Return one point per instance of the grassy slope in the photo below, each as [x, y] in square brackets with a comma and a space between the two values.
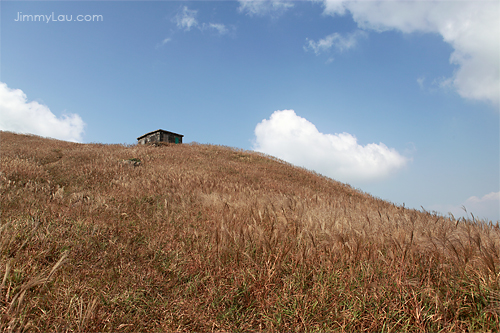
[203, 238]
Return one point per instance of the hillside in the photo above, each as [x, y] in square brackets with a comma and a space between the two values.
[208, 238]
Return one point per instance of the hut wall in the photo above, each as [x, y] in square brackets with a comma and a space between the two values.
[160, 137]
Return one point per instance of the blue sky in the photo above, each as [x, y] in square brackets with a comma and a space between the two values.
[398, 99]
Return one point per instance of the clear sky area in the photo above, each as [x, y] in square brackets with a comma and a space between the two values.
[399, 99]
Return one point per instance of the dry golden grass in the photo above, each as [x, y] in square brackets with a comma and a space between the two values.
[209, 238]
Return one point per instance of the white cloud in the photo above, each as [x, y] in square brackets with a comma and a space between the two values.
[264, 7]
[19, 115]
[339, 156]
[186, 18]
[166, 40]
[486, 207]
[340, 42]
[470, 27]
[219, 27]
[421, 81]
[163, 42]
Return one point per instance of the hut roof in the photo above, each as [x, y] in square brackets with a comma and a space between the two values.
[159, 130]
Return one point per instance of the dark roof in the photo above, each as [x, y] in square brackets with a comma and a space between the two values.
[159, 130]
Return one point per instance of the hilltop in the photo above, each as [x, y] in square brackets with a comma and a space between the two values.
[195, 237]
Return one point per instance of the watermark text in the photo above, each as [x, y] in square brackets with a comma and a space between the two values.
[58, 18]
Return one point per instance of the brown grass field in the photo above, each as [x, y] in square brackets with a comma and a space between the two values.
[209, 238]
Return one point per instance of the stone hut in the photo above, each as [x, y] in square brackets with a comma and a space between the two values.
[159, 136]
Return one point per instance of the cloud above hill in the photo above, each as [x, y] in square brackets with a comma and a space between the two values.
[488, 206]
[339, 156]
[20, 116]
[470, 27]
